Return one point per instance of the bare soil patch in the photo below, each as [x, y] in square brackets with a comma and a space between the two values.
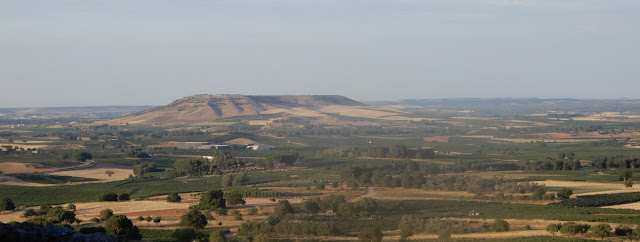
[436, 139]
[606, 188]
[99, 172]
[14, 167]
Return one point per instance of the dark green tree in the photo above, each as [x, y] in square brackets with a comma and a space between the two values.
[174, 198]
[370, 234]
[234, 197]
[565, 193]
[82, 156]
[106, 214]
[193, 219]
[500, 225]
[212, 200]
[601, 230]
[6, 204]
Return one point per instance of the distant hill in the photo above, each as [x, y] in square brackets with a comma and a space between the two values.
[208, 108]
[513, 106]
[75, 110]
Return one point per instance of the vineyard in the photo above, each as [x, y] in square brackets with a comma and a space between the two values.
[300, 182]
[601, 200]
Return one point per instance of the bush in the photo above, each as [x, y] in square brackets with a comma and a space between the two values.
[106, 214]
[218, 236]
[253, 211]
[29, 213]
[108, 197]
[187, 235]
[174, 198]
[565, 193]
[500, 225]
[82, 156]
[193, 219]
[212, 200]
[237, 215]
[234, 197]
[623, 231]
[122, 227]
[370, 234]
[600, 230]
[124, 197]
[444, 234]
[6, 204]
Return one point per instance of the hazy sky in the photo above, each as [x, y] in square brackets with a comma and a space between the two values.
[72, 53]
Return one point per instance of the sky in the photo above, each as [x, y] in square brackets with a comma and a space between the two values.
[151, 52]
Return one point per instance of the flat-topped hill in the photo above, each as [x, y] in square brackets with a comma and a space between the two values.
[207, 108]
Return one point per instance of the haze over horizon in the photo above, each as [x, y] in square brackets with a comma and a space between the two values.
[108, 53]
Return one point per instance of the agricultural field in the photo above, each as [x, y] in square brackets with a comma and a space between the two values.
[332, 172]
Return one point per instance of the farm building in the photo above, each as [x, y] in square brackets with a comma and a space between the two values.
[191, 145]
[223, 147]
[259, 147]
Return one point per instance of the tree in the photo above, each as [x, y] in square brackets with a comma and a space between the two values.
[6, 204]
[539, 193]
[601, 230]
[157, 220]
[212, 200]
[628, 183]
[140, 219]
[174, 198]
[370, 234]
[625, 175]
[193, 219]
[282, 208]
[365, 206]
[500, 225]
[234, 197]
[122, 227]
[565, 193]
[71, 207]
[311, 205]
[237, 215]
[408, 226]
[218, 236]
[124, 197]
[138, 169]
[570, 228]
[109, 172]
[108, 197]
[148, 219]
[82, 156]
[106, 214]
[185, 235]
[320, 186]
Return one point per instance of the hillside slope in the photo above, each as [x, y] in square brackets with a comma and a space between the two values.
[208, 108]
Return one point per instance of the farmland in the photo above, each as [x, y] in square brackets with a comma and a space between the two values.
[342, 168]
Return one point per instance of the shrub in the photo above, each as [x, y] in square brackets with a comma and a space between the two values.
[253, 211]
[106, 214]
[110, 197]
[193, 219]
[623, 231]
[370, 234]
[6, 204]
[174, 198]
[500, 225]
[600, 230]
